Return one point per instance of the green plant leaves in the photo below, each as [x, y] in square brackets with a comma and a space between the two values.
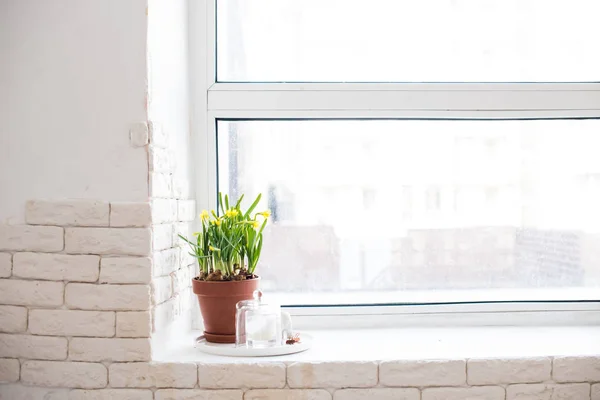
[253, 206]
[230, 241]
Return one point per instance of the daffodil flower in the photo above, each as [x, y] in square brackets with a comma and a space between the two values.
[204, 215]
[232, 212]
[265, 213]
[255, 224]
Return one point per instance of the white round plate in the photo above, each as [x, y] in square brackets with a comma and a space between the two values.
[231, 351]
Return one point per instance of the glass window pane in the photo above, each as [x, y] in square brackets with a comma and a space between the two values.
[408, 40]
[404, 210]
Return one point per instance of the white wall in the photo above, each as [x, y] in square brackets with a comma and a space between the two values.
[168, 106]
[168, 80]
[72, 81]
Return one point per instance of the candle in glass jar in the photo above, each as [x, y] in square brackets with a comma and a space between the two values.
[261, 329]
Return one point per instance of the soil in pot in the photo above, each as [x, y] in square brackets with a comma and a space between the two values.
[217, 299]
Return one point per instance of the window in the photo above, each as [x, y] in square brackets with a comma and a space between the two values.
[434, 151]
[526, 217]
[408, 40]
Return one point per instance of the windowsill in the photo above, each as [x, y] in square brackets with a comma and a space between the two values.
[419, 343]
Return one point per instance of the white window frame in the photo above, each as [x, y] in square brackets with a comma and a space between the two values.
[212, 100]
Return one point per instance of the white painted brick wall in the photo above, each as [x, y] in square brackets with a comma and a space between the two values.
[164, 262]
[596, 391]
[162, 237]
[471, 393]
[332, 374]
[98, 349]
[134, 324]
[31, 238]
[56, 267]
[161, 289]
[423, 373]
[377, 394]
[244, 375]
[196, 394]
[288, 394]
[72, 323]
[165, 313]
[160, 159]
[186, 230]
[186, 210]
[130, 215]
[181, 187]
[576, 369]
[107, 297]
[111, 394]
[541, 391]
[108, 241]
[495, 371]
[5, 265]
[64, 374]
[159, 375]
[158, 136]
[9, 370]
[164, 210]
[33, 347]
[185, 258]
[125, 270]
[182, 279]
[31, 293]
[13, 319]
[161, 185]
[67, 212]
[174, 308]
[18, 391]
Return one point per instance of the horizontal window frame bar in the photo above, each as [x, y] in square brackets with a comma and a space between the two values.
[215, 115]
[404, 100]
[403, 86]
[513, 314]
[451, 307]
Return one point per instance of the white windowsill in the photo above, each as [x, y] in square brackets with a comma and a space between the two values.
[418, 343]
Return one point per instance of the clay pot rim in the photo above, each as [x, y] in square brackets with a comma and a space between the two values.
[224, 288]
[221, 282]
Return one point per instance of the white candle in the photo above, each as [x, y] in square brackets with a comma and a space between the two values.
[261, 328]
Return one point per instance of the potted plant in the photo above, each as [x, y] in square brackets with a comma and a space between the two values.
[228, 249]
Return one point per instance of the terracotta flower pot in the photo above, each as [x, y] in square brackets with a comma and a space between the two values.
[217, 304]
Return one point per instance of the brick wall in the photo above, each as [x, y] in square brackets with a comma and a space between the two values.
[84, 284]
[173, 212]
[74, 293]
[557, 378]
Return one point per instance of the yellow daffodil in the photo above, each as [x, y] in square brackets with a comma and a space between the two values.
[255, 224]
[204, 215]
[217, 222]
[265, 213]
[232, 212]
